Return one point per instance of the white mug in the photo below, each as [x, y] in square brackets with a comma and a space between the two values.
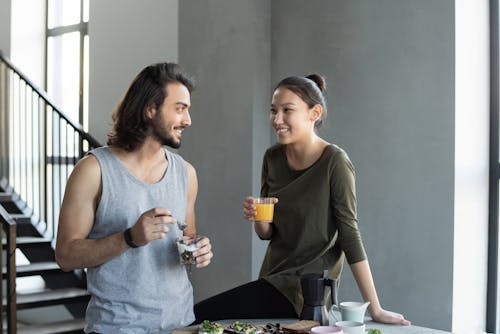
[350, 311]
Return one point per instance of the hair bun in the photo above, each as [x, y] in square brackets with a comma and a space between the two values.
[319, 80]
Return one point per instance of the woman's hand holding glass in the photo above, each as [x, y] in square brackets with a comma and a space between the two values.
[263, 229]
[259, 209]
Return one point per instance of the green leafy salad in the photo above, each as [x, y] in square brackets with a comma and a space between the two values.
[373, 331]
[242, 328]
[208, 327]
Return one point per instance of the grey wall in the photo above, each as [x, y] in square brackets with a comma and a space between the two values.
[125, 36]
[390, 69]
[226, 45]
[5, 13]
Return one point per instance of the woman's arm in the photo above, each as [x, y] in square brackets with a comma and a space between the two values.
[364, 279]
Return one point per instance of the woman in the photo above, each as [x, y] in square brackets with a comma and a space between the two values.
[315, 220]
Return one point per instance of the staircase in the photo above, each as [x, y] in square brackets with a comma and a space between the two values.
[39, 146]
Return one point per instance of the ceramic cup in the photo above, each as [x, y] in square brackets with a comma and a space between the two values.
[353, 311]
[351, 327]
[327, 330]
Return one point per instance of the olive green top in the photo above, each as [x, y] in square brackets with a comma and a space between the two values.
[315, 221]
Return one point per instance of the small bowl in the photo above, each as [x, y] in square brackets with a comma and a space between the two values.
[352, 327]
[327, 330]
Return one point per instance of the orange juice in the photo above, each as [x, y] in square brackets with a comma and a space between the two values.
[265, 212]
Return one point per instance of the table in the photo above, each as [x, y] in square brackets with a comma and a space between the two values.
[395, 329]
[386, 329]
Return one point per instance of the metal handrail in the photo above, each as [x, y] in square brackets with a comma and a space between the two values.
[93, 142]
[9, 224]
[39, 145]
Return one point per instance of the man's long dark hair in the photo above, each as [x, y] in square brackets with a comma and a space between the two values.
[148, 89]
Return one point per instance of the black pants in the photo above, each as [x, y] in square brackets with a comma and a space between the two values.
[254, 300]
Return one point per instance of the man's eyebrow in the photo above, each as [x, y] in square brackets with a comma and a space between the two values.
[184, 104]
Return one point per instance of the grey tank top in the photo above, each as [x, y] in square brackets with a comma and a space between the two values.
[145, 289]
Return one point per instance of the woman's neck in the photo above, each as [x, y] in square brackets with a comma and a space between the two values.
[303, 154]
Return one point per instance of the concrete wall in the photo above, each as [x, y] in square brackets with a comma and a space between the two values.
[226, 45]
[390, 69]
[5, 18]
[125, 36]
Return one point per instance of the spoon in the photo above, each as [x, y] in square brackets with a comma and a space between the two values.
[181, 225]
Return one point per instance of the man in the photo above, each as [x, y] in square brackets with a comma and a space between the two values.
[121, 208]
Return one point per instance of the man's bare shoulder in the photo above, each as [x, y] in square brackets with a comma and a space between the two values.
[87, 173]
[190, 167]
[88, 164]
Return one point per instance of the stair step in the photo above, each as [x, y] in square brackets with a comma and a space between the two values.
[35, 268]
[67, 326]
[50, 297]
[21, 218]
[5, 196]
[28, 242]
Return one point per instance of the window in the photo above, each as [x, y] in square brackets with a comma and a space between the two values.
[68, 57]
[67, 65]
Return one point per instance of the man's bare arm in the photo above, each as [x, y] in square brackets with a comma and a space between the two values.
[191, 200]
[73, 249]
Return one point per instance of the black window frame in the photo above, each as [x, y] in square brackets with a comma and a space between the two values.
[492, 301]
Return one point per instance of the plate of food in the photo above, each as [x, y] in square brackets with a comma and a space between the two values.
[208, 327]
[239, 327]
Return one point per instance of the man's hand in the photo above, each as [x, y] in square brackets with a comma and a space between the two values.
[152, 226]
[203, 254]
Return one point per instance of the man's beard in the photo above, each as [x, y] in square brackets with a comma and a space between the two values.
[169, 141]
[161, 134]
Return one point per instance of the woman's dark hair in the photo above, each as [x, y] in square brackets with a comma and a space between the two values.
[148, 89]
[310, 89]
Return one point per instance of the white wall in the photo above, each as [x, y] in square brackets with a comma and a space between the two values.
[125, 36]
[471, 165]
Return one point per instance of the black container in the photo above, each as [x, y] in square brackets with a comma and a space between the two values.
[315, 293]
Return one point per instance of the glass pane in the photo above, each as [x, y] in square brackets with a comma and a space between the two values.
[85, 10]
[63, 13]
[63, 73]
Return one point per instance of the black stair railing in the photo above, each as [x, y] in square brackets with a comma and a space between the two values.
[10, 255]
[39, 146]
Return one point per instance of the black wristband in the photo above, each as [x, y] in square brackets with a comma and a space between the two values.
[128, 238]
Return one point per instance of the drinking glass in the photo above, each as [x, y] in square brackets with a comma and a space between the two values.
[265, 209]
